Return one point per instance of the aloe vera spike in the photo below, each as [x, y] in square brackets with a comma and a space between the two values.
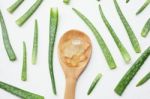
[143, 7]
[52, 36]
[143, 80]
[66, 1]
[129, 75]
[35, 43]
[94, 83]
[146, 28]
[10, 52]
[127, 1]
[19, 92]
[132, 37]
[29, 12]
[14, 6]
[24, 64]
[119, 44]
[101, 42]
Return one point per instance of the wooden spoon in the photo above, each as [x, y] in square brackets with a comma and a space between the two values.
[74, 51]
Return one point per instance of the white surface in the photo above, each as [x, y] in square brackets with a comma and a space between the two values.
[38, 75]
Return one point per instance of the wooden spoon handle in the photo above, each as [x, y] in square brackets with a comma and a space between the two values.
[70, 88]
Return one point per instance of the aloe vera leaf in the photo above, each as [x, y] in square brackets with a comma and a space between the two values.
[10, 52]
[126, 79]
[132, 37]
[35, 44]
[28, 14]
[14, 6]
[119, 44]
[146, 28]
[101, 42]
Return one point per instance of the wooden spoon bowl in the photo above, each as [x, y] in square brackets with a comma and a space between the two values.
[74, 51]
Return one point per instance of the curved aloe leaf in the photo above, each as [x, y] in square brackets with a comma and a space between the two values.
[100, 40]
[52, 36]
[146, 28]
[126, 79]
[94, 83]
[10, 52]
[35, 43]
[119, 44]
[14, 6]
[19, 92]
[127, 1]
[143, 7]
[24, 64]
[28, 14]
[144, 80]
[129, 30]
[66, 1]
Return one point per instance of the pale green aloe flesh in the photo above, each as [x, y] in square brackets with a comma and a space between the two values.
[7, 44]
[144, 79]
[94, 83]
[35, 44]
[19, 92]
[28, 14]
[66, 1]
[119, 44]
[52, 36]
[129, 30]
[24, 64]
[126, 79]
[143, 7]
[146, 28]
[100, 40]
[14, 6]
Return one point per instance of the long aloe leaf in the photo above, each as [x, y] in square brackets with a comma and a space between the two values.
[10, 52]
[35, 43]
[66, 1]
[19, 92]
[144, 79]
[52, 36]
[127, 1]
[14, 6]
[146, 28]
[126, 79]
[24, 64]
[100, 40]
[94, 83]
[143, 7]
[119, 44]
[28, 14]
[129, 30]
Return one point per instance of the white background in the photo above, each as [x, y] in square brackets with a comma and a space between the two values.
[38, 75]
